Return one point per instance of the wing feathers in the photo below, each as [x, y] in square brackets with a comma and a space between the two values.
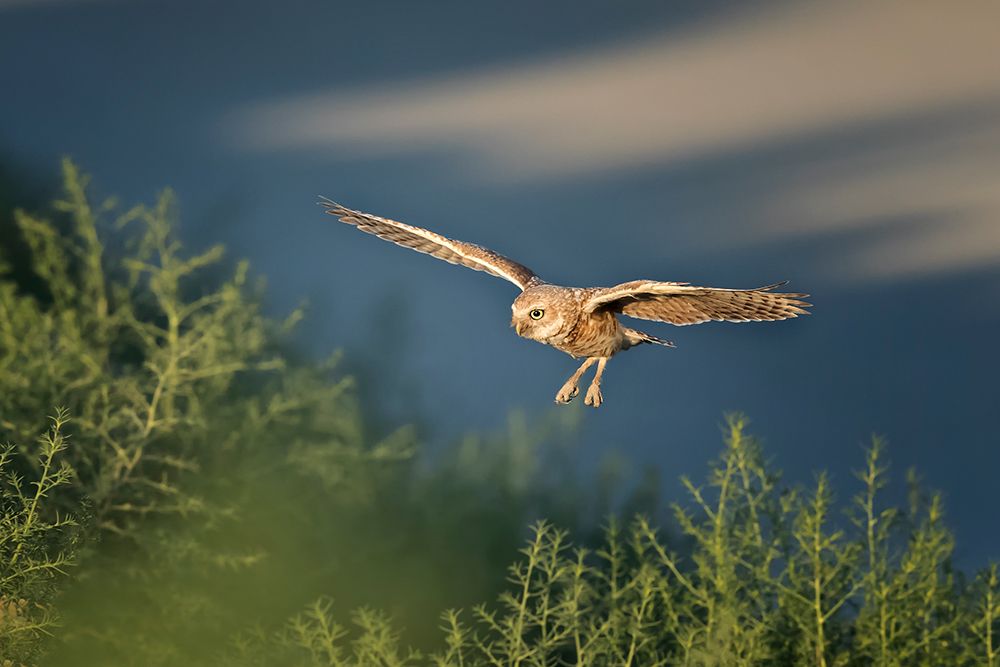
[425, 241]
[676, 303]
[682, 304]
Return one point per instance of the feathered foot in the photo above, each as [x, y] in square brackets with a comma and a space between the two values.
[568, 392]
[594, 397]
[571, 388]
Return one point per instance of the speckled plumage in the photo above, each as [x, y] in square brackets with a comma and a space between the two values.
[583, 321]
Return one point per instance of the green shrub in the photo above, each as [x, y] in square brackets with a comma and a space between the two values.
[770, 580]
[178, 386]
[160, 373]
[36, 544]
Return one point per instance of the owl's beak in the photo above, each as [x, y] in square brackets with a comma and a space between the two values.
[517, 327]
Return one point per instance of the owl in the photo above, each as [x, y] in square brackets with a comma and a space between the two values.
[583, 321]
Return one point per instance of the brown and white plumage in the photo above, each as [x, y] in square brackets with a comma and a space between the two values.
[582, 321]
[682, 304]
[425, 241]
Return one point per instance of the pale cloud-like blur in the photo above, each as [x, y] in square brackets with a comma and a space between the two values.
[746, 80]
[942, 191]
[740, 82]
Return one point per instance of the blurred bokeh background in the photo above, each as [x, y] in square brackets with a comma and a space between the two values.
[851, 147]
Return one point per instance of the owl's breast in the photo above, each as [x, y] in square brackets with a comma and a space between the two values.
[593, 335]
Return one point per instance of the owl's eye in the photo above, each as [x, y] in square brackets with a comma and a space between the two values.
[537, 314]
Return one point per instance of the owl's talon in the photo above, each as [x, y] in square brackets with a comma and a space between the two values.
[567, 393]
[594, 396]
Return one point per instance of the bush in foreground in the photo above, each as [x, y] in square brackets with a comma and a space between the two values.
[770, 580]
[37, 544]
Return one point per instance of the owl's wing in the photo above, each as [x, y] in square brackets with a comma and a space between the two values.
[456, 252]
[681, 303]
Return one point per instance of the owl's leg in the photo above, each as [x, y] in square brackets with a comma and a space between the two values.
[571, 388]
[594, 396]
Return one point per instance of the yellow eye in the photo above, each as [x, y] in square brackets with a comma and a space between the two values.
[537, 314]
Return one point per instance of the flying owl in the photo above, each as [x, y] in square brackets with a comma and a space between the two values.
[583, 321]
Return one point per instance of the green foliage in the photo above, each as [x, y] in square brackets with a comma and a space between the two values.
[169, 380]
[314, 637]
[770, 580]
[36, 544]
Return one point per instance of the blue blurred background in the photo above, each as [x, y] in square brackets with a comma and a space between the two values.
[852, 148]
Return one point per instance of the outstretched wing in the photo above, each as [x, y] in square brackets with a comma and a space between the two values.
[681, 303]
[456, 252]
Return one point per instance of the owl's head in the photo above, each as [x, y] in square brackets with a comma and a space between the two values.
[541, 313]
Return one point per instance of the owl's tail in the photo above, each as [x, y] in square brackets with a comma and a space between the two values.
[638, 338]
